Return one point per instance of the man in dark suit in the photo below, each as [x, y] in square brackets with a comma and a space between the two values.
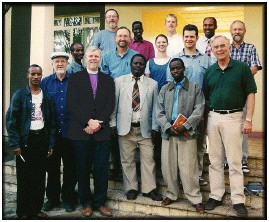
[90, 101]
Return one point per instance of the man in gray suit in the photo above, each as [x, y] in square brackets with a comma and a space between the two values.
[134, 122]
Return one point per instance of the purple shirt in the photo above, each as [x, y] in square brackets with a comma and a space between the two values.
[94, 81]
[145, 48]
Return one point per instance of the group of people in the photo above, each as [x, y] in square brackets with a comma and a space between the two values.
[127, 98]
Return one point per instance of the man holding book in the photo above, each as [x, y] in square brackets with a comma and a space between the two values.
[184, 98]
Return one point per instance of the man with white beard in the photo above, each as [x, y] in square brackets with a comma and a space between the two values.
[104, 39]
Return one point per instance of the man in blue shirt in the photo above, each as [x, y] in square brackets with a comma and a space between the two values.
[77, 52]
[56, 85]
[196, 64]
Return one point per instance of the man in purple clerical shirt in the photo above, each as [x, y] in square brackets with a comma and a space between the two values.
[139, 44]
[90, 102]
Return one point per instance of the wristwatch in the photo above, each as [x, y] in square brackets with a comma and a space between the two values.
[248, 120]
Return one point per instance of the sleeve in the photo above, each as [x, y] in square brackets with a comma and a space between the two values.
[53, 122]
[104, 66]
[113, 121]
[155, 125]
[248, 81]
[169, 77]
[151, 51]
[147, 71]
[205, 87]
[96, 40]
[255, 59]
[12, 121]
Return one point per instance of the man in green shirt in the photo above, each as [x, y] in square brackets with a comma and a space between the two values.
[228, 85]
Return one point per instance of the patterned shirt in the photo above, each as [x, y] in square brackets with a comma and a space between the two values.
[246, 53]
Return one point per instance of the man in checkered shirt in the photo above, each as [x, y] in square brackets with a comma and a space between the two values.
[244, 52]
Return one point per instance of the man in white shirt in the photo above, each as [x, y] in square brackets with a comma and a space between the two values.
[175, 42]
[204, 44]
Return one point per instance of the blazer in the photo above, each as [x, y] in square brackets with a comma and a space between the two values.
[122, 114]
[82, 106]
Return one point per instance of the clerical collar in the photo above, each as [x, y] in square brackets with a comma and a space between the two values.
[92, 72]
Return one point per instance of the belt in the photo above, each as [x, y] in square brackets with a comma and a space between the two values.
[135, 124]
[226, 111]
[36, 132]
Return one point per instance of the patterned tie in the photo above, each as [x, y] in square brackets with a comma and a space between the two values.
[136, 96]
[208, 48]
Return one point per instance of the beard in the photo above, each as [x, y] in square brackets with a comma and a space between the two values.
[238, 38]
[112, 26]
[61, 71]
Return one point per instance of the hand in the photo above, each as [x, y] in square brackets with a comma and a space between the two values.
[114, 132]
[247, 127]
[172, 131]
[181, 129]
[154, 135]
[94, 124]
[17, 151]
[50, 152]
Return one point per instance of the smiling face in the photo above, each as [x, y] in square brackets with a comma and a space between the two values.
[221, 48]
[60, 64]
[34, 75]
[238, 31]
[161, 44]
[138, 66]
[137, 30]
[112, 19]
[171, 24]
[190, 39]
[209, 27]
[78, 52]
[177, 70]
[122, 38]
[93, 59]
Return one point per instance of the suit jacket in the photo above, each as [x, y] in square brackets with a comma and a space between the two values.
[83, 107]
[122, 114]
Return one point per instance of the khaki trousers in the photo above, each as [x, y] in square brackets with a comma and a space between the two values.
[225, 136]
[181, 155]
[128, 144]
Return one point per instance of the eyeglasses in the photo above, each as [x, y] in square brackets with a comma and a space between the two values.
[111, 16]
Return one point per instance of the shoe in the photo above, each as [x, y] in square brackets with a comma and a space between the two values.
[167, 201]
[153, 195]
[212, 204]
[199, 208]
[226, 166]
[69, 207]
[245, 168]
[132, 194]
[49, 205]
[105, 211]
[202, 182]
[41, 215]
[87, 211]
[240, 210]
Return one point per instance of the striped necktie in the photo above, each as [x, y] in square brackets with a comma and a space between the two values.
[136, 96]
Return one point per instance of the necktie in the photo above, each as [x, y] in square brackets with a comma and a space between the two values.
[136, 96]
[208, 48]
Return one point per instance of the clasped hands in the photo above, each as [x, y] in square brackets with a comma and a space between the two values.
[176, 131]
[93, 126]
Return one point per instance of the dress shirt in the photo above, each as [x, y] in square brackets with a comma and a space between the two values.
[115, 65]
[57, 89]
[74, 67]
[94, 81]
[144, 47]
[136, 115]
[175, 45]
[195, 67]
[201, 46]
[246, 53]
[178, 86]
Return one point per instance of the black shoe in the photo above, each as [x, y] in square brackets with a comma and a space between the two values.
[212, 204]
[132, 194]
[153, 195]
[240, 210]
[226, 166]
[69, 207]
[49, 205]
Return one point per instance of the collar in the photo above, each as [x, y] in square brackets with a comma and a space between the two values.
[184, 81]
[241, 45]
[133, 40]
[182, 53]
[133, 78]
[231, 64]
[28, 91]
[67, 75]
[205, 39]
[91, 72]
[117, 54]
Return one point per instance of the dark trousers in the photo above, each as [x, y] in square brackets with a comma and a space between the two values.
[63, 150]
[31, 175]
[90, 153]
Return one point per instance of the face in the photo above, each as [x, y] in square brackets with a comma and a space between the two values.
[60, 64]
[137, 30]
[221, 48]
[177, 70]
[189, 39]
[171, 24]
[34, 75]
[78, 52]
[122, 38]
[93, 60]
[112, 19]
[238, 32]
[138, 66]
[209, 27]
[161, 44]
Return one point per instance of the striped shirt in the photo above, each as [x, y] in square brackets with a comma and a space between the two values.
[246, 53]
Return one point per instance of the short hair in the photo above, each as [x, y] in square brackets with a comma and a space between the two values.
[92, 49]
[139, 55]
[220, 36]
[33, 66]
[177, 59]
[123, 27]
[213, 18]
[239, 22]
[112, 9]
[161, 35]
[73, 44]
[190, 27]
[171, 15]
[137, 22]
